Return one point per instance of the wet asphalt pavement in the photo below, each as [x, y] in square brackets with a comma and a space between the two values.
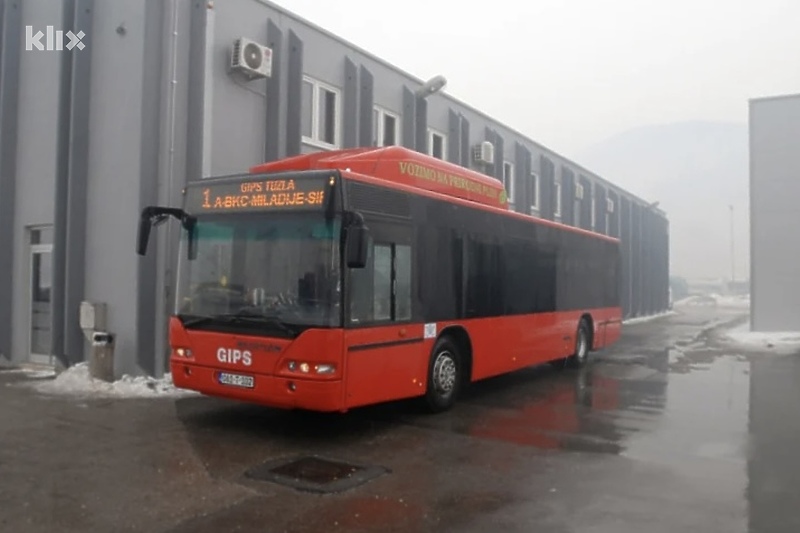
[670, 430]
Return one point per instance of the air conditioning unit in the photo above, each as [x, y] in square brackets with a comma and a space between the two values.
[579, 191]
[483, 153]
[609, 205]
[251, 59]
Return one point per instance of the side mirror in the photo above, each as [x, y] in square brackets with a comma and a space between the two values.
[145, 224]
[154, 215]
[356, 247]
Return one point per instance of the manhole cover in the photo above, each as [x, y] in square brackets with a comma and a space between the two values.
[315, 474]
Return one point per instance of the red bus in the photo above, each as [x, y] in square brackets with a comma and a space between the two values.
[340, 279]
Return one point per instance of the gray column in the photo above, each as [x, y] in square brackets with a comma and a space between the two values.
[567, 196]
[350, 105]
[151, 353]
[408, 122]
[465, 143]
[365, 105]
[294, 96]
[546, 188]
[453, 137]
[636, 258]
[601, 213]
[421, 125]
[499, 157]
[61, 188]
[10, 38]
[77, 183]
[585, 205]
[196, 91]
[274, 145]
[624, 209]
[522, 178]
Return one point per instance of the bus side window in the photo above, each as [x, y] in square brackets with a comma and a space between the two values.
[361, 289]
[382, 288]
[381, 291]
[402, 269]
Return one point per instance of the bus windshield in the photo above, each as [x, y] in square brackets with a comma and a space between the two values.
[270, 273]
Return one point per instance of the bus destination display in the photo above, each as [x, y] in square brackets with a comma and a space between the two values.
[258, 195]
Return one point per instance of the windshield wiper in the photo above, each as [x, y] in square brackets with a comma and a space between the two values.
[242, 317]
[190, 321]
[250, 318]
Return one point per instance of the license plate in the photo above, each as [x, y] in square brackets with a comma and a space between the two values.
[236, 380]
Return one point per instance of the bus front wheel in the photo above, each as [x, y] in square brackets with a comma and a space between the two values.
[583, 342]
[444, 376]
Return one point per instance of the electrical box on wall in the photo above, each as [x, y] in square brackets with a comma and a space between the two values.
[93, 316]
[251, 59]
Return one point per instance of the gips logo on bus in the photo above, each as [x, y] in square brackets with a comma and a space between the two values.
[233, 356]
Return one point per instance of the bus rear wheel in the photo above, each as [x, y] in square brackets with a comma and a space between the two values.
[583, 342]
[444, 376]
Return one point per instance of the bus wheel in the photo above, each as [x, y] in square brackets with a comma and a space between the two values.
[444, 376]
[582, 345]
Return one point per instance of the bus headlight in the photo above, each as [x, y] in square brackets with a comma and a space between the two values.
[306, 368]
[183, 352]
[325, 369]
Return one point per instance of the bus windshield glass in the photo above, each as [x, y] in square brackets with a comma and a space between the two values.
[275, 273]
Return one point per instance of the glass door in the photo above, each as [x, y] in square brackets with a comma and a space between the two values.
[41, 275]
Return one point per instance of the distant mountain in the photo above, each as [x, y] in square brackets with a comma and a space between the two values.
[695, 170]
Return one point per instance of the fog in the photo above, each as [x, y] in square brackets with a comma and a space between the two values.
[576, 74]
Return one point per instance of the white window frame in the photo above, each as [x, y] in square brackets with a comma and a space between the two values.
[579, 196]
[535, 206]
[315, 139]
[557, 208]
[383, 112]
[431, 133]
[508, 181]
[609, 202]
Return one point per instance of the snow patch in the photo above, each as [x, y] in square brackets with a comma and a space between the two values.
[33, 373]
[761, 339]
[718, 300]
[642, 319]
[76, 381]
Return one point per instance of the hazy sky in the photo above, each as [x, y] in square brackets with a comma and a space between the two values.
[570, 73]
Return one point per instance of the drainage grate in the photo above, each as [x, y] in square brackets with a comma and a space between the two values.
[315, 474]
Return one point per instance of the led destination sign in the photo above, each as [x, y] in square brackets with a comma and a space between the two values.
[258, 195]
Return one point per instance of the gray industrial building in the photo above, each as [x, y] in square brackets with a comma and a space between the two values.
[96, 125]
[774, 217]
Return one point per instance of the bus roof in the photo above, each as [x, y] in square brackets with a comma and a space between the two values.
[407, 169]
[401, 165]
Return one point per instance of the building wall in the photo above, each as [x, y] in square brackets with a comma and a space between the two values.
[150, 104]
[774, 187]
[36, 159]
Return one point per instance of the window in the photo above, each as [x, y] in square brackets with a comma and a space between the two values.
[437, 145]
[320, 113]
[534, 192]
[381, 291]
[608, 214]
[508, 180]
[557, 189]
[594, 207]
[385, 127]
